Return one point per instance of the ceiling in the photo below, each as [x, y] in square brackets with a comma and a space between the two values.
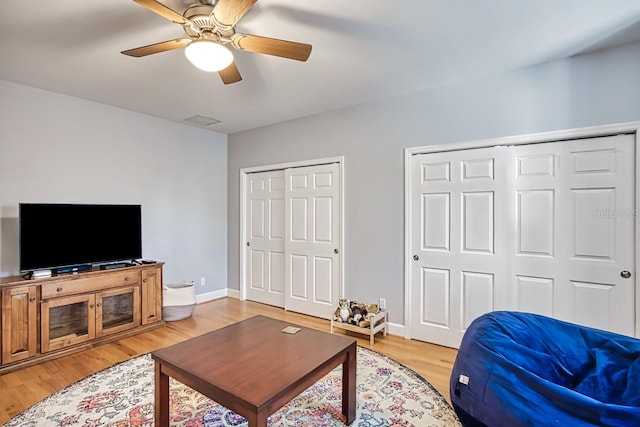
[363, 50]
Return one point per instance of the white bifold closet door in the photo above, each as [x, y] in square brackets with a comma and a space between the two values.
[312, 239]
[459, 214]
[265, 237]
[293, 238]
[574, 233]
[545, 228]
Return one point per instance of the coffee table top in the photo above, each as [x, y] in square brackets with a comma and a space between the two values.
[252, 360]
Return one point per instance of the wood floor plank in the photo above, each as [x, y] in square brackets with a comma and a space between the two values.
[25, 387]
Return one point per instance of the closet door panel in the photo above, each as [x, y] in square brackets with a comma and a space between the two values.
[265, 237]
[312, 239]
[574, 207]
[458, 242]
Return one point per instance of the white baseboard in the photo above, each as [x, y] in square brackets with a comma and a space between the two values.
[395, 329]
[210, 296]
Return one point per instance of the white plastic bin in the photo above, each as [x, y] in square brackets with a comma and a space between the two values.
[178, 300]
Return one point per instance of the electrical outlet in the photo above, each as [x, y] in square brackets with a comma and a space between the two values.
[202, 281]
[383, 304]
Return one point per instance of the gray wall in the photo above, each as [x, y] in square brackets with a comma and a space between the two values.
[592, 89]
[59, 149]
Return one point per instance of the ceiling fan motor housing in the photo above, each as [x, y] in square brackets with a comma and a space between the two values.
[202, 16]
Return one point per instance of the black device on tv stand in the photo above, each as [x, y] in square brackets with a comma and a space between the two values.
[72, 269]
[115, 265]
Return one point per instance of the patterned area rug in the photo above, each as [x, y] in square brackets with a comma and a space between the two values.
[388, 394]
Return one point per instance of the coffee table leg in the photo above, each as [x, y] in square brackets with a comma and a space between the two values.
[349, 385]
[257, 419]
[161, 407]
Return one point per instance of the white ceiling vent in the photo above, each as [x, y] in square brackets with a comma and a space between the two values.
[201, 120]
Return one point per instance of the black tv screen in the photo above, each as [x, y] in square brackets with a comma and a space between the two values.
[63, 235]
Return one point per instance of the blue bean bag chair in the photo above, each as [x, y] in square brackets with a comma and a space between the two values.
[522, 369]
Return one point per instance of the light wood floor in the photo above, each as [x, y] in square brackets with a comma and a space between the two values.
[21, 389]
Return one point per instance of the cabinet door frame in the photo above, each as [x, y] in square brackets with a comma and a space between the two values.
[27, 296]
[135, 315]
[47, 344]
[151, 295]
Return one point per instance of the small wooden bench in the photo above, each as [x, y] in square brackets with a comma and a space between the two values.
[377, 324]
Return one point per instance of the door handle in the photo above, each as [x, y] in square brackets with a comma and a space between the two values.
[625, 274]
[416, 257]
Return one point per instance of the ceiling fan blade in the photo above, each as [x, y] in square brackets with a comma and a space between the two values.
[229, 12]
[162, 10]
[230, 74]
[157, 48]
[276, 47]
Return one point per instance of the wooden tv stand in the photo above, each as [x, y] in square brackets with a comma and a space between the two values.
[46, 318]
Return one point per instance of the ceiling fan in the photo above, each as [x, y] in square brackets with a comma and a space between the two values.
[209, 28]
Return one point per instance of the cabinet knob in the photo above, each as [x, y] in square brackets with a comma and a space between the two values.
[32, 299]
[91, 305]
[59, 289]
[144, 280]
[126, 279]
[99, 304]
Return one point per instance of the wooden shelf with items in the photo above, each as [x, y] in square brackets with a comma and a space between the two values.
[377, 323]
[45, 318]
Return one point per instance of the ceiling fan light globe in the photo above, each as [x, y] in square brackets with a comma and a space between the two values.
[208, 55]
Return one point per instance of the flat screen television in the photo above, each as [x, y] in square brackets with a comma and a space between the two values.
[53, 236]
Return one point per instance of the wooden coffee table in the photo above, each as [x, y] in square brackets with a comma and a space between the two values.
[253, 368]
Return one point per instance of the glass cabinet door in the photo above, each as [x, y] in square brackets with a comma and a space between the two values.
[117, 310]
[67, 321]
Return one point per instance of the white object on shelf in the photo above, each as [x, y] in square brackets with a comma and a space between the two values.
[178, 300]
[38, 274]
[377, 323]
